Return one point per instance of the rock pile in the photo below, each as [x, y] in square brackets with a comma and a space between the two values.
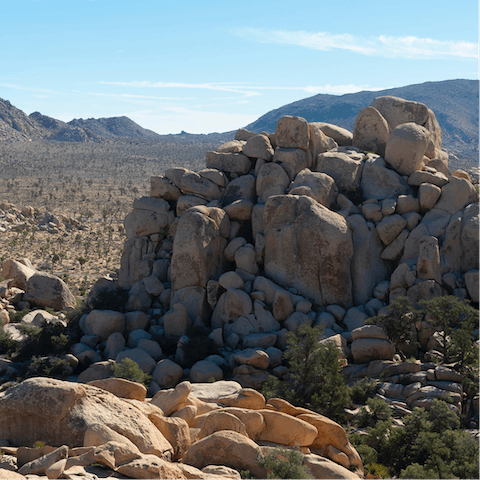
[303, 226]
[190, 431]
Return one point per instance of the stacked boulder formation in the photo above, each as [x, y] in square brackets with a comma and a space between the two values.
[309, 225]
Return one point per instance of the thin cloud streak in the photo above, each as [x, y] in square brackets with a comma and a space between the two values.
[247, 90]
[129, 95]
[384, 46]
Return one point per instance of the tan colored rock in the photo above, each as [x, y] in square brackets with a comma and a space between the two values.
[121, 388]
[9, 475]
[174, 429]
[320, 467]
[61, 412]
[345, 169]
[320, 186]
[150, 215]
[173, 399]
[371, 131]
[234, 146]
[40, 465]
[161, 187]
[381, 182]
[286, 430]
[319, 143]
[418, 177]
[331, 433]
[227, 448]
[428, 263]
[98, 434]
[428, 194]
[218, 421]
[292, 132]
[228, 162]
[365, 350]
[255, 357]
[390, 227]
[17, 272]
[221, 471]
[244, 398]
[188, 201]
[55, 470]
[195, 184]
[369, 331]
[341, 135]
[258, 146]
[198, 247]
[293, 160]
[103, 323]
[308, 247]
[4, 317]
[271, 180]
[456, 194]
[204, 370]
[150, 466]
[406, 147]
[46, 290]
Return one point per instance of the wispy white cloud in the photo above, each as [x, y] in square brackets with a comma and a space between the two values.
[247, 90]
[384, 46]
[131, 96]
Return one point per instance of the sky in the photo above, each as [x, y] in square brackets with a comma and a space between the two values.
[215, 66]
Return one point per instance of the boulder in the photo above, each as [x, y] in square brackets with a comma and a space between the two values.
[292, 132]
[258, 146]
[103, 323]
[342, 136]
[203, 371]
[344, 168]
[17, 272]
[228, 162]
[286, 430]
[173, 399]
[371, 131]
[320, 467]
[46, 290]
[381, 182]
[60, 413]
[308, 247]
[293, 160]
[195, 184]
[167, 373]
[365, 350]
[198, 247]
[228, 448]
[319, 143]
[271, 180]
[318, 186]
[161, 187]
[139, 356]
[406, 147]
[367, 266]
[150, 215]
[121, 388]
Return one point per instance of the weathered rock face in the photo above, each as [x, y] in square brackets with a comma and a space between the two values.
[308, 247]
[60, 413]
[198, 247]
[46, 290]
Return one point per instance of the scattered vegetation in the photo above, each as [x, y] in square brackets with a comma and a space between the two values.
[314, 379]
[284, 463]
[129, 370]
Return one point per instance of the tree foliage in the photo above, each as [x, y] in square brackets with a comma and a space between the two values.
[314, 379]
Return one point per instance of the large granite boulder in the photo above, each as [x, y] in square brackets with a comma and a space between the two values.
[308, 247]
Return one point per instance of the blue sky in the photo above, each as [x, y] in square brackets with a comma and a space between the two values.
[214, 66]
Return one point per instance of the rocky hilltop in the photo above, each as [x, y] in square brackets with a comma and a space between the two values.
[311, 225]
[455, 103]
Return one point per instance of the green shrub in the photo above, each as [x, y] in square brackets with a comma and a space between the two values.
[284, 463]
[53, 367]
[129, 370]
[375, 410]
[7, 344]
[16, 317]
[363, 389]
[378, 469]
[314, 379]
[398, 322]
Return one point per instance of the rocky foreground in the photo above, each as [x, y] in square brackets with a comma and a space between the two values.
[312, 225]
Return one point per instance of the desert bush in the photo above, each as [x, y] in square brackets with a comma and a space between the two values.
[129, 370]
[7, 344]
[284, 463]
[398, 322]
[375, 410]
[361, 390]
[314, 379]
[54, 367]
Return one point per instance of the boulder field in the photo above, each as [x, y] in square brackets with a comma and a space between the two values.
[190, 431]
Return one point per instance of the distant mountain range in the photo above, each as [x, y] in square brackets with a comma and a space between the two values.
[454, 102]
